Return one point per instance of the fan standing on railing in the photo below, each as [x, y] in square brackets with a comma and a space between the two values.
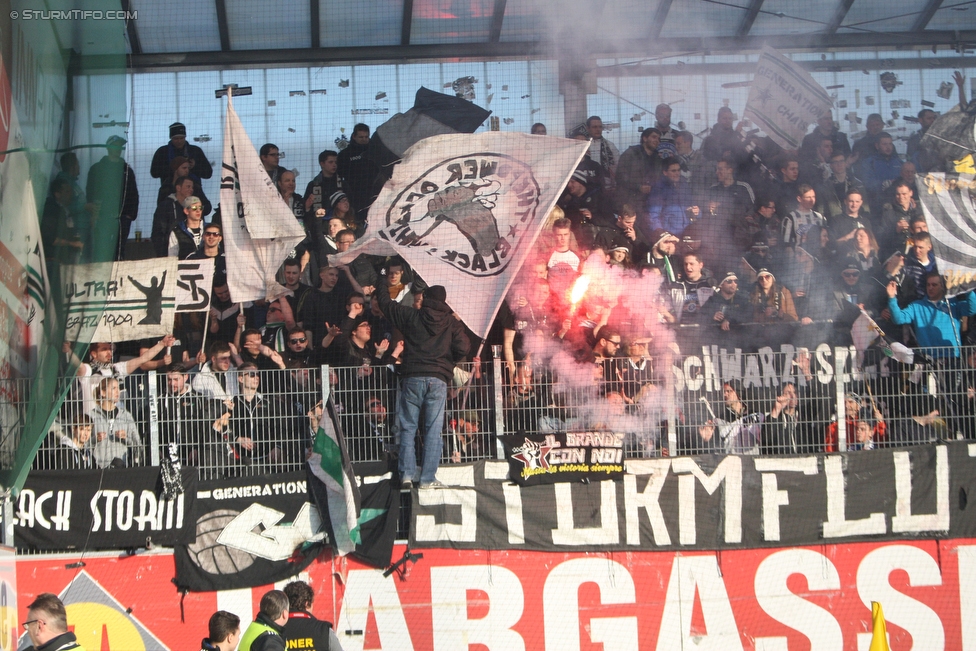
[434, 341]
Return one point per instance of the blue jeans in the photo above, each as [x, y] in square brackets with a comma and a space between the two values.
[430, 394]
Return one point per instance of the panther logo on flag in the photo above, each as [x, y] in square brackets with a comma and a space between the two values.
[470, 211]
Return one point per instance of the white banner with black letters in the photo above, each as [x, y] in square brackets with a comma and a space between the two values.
[708, 502]
[93, 509]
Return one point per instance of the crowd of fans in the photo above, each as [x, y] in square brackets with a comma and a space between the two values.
[735, 243]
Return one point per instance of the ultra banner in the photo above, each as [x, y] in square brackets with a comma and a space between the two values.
[535, 459]
[94, 509]
[708, 502]
[250, 531]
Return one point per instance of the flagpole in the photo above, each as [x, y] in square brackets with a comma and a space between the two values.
[206, 329]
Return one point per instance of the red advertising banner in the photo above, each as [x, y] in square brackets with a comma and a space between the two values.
[762, 599]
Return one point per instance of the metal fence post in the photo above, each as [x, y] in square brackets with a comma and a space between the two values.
[840, 392]
[499, 396]
[153, 419]
[671, 390]
[326, 388]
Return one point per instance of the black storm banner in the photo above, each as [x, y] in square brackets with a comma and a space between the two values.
[535, 459]
[95, 509]
[709, 502]
[250, 531]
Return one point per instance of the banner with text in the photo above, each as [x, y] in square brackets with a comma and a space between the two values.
[535, 459]
[120, 301]
[816, 597]
[708, 502]
[250, 531]
[784, 99]
[110, 509]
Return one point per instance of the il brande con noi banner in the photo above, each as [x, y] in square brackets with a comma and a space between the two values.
[765, 599]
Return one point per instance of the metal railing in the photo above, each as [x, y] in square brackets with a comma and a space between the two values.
[790, 401]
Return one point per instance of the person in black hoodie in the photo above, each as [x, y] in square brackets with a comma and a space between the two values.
[434, 343]
[357, 171]
[303, 625]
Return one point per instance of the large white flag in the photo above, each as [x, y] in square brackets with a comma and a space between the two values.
[120, 301]
[951, 216]
[260, 230]
[464, 211]
[784, 99]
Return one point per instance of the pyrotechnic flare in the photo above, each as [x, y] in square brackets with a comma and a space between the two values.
[576, 294]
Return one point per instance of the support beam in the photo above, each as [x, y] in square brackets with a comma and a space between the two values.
[130, 29]
[925, 16]
[642, 48]
[751, 14]
[838, 18]
[661, 15]
[497, 18]
[314, 19]
[407, 23]
[222, 28]
[672, 70]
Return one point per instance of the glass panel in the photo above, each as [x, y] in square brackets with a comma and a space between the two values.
[450, 21]
[796, 18]
[345, 24]
[178, 26]
[283, 25]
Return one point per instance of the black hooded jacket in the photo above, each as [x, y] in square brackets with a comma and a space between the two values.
[434, 341]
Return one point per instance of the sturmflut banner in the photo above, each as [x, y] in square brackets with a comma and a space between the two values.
[708, 502]
[784, 99]
[464, 211]
[951, 217]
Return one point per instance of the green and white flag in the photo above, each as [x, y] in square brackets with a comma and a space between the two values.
[333, 484]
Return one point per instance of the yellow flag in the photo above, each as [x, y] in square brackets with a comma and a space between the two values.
[879, 636]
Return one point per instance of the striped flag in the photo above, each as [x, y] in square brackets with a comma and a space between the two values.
[333, 483]
[951, 218]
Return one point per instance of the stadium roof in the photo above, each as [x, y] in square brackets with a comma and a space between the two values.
[225, 33]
